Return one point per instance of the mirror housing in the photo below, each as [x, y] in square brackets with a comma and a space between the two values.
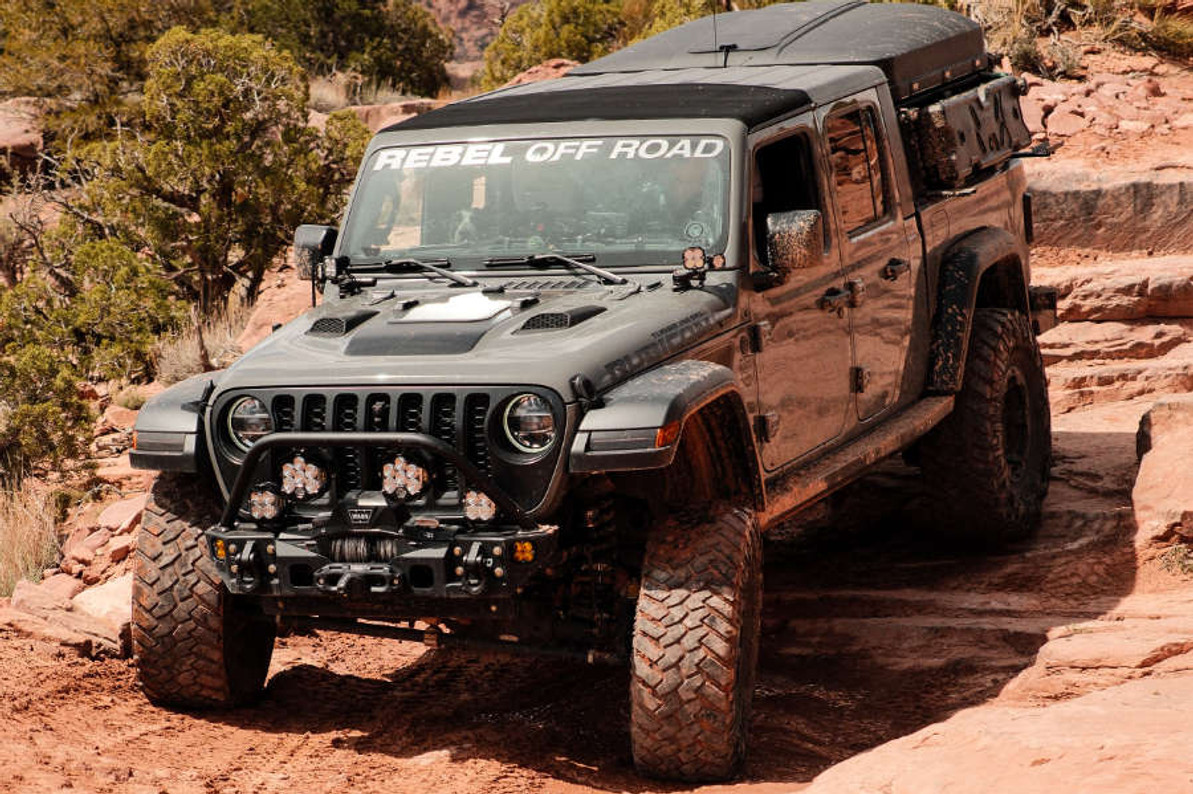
[312, 244]
[794, 241]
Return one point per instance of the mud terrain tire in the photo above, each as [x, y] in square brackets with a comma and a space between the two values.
[696, 646]
[194, 644]
[987, 466]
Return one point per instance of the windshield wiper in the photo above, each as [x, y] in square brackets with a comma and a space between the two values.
[578, 262]
[437, 266]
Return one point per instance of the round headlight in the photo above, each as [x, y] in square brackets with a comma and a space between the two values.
[529, 423]
[249, 421]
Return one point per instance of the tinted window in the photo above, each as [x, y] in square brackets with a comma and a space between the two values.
[857, 164]
[784, 180]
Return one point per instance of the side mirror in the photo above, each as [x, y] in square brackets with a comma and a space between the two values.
[312, 244]
[794, 241]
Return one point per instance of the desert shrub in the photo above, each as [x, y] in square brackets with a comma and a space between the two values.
[99, 314]
[42, 419]
[28, 543]
[131, 398]
[396, 43]
[580, 30]
[224, 168]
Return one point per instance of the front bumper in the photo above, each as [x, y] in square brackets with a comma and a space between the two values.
[416, 556]
[443, 562]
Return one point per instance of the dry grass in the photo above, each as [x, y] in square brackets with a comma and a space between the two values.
[204, 344]
[1045, 36]
[28, 543]
[343, 89]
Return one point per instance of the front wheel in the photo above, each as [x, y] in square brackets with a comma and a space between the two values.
[696, 646]
[194, 644]
[987, 466]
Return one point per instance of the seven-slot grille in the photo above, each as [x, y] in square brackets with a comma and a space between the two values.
[459, 419]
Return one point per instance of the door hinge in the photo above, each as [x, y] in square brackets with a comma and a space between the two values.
[759, 336]
[766, 427]
[859, 378]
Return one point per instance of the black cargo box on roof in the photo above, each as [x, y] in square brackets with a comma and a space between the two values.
[918, 47]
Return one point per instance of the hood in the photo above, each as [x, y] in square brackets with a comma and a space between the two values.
[529, 330]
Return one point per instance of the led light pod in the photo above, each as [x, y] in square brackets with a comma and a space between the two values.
[402, 478]
[302, 480]
[479, 507]
[265, 504]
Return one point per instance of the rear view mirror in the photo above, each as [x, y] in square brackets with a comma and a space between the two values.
[794, 241]
[312, 244]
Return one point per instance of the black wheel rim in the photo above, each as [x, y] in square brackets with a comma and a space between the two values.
[1016, 425]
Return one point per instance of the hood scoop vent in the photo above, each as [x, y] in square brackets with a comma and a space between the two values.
[558, 321]
[341, 324]
[549, 285]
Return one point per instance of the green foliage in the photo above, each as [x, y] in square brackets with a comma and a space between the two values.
[42, 419]
[90, 54]
[577, 29]
[100, 317]
[225, 167]
[397, 44]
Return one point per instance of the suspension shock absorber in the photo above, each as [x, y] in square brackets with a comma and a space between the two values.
[593, 591]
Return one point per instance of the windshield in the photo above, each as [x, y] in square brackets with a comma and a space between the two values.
[626, 200]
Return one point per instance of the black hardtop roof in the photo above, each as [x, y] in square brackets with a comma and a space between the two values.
[917, 46]
[750, 104]
[785, 59]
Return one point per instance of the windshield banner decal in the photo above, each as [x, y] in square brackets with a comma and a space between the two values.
[552, 151]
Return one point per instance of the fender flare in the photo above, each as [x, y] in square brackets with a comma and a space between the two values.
[168, 433]
[961, 271]
[640, 423]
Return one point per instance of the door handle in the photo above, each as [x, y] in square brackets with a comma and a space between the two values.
[895, 268]
[834, 301]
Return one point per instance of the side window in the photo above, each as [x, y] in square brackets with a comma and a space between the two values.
[858, 167]
[784, 180]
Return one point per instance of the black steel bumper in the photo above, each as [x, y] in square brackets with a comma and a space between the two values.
[443, 558]
[451, 564]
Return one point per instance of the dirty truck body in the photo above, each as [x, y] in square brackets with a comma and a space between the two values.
[582, 341]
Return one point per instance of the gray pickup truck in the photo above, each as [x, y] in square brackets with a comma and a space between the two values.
[582, 342]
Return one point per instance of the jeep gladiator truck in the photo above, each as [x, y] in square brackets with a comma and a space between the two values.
[583, 341]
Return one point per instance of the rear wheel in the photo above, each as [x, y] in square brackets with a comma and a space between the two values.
[194, 644]
[696, 646]
[987, 466]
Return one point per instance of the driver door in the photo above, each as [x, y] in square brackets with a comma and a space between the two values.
[803, 354]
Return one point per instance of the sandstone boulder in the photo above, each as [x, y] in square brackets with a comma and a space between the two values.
[283, 297]
[121, 517]
[1116, 298]
[375, 117]
[42, 613]
[1163, 492]
[1076, 341]
[61, 586]
[547, 70]
[110, 602]
[20, 134]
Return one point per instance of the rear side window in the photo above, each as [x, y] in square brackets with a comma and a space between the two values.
[858, 172]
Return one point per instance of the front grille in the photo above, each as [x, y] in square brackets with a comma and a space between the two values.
[443, 427]
[466, 418]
